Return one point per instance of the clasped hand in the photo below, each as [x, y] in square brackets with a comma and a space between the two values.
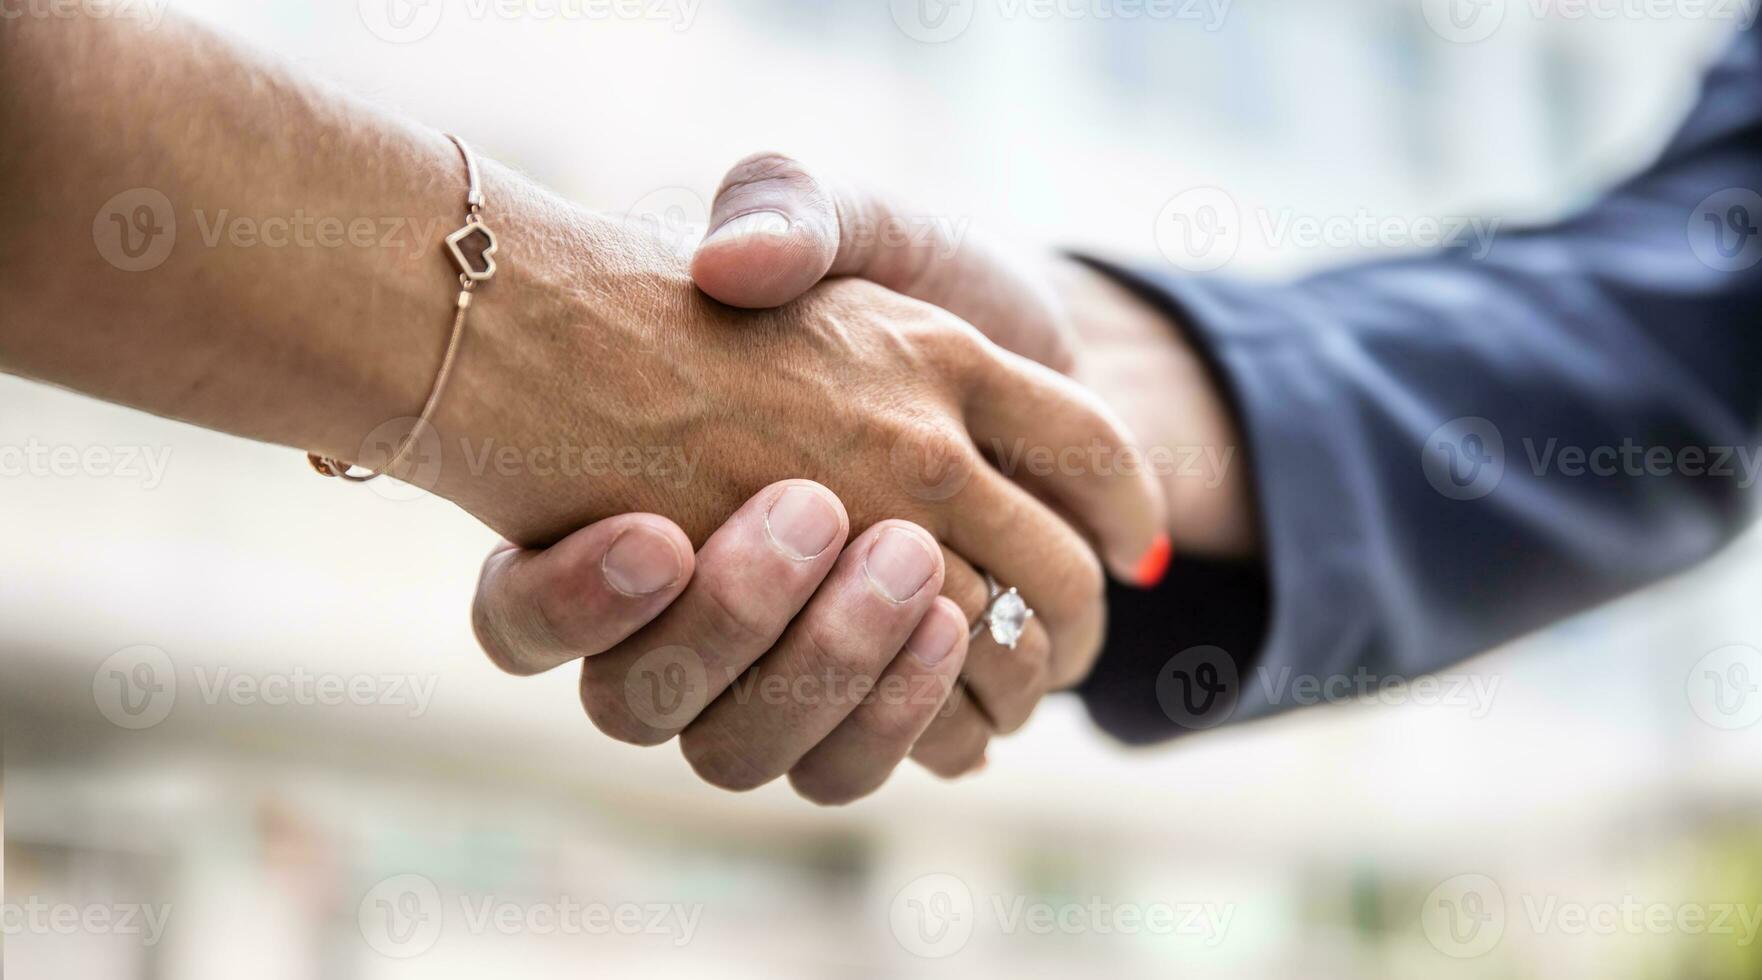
[749, 621]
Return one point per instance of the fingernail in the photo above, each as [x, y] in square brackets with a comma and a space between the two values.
[899, 564]
[642, 561]
[753, 223]
[1154, 564]
[802, 523]
[935, 638]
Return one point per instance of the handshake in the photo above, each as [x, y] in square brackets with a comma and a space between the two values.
[931, 392]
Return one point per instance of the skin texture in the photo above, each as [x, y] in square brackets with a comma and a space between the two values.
[592, 337]
[1072, 317]
[1056, 311]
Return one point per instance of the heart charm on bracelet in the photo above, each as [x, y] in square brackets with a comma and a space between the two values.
[455, 243]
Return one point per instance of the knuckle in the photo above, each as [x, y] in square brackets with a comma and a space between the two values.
[955, 743]
[717, 760]
[837, 658]
[735, 618]
[932, 460]
[1073, 657]
[1015, 714]
[953, 342]
[887, 723]
[1087, 578]
[1012, 700]
[605, 700]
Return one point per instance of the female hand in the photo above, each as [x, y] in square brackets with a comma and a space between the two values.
[874, 383]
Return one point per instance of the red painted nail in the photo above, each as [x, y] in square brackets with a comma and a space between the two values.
[1155, 563]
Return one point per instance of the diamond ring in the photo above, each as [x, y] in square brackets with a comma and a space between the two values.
[1006, 615]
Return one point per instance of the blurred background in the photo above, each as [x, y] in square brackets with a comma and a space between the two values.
[226, 749]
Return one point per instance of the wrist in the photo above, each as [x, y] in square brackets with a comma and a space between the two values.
[556, 374]
[1144, 364]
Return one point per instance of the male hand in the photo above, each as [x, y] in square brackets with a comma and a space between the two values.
[854, 675]
[855, 374]
[776, 230]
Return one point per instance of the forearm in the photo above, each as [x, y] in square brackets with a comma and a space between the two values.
[1452, 451]
[304, 300]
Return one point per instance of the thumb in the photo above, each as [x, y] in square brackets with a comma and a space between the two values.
[776, 230]
[773, 234]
